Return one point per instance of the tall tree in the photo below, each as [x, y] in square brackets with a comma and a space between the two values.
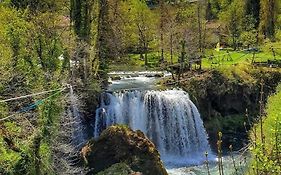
[162, 21]
[144, 23]
[201, 23]
[232, 18]
[268, 17]
[81, 17]
[103, 38]
[38, 5]
[252, 8]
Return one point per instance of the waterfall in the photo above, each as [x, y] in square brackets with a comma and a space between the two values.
[71, 138]
[78, 137]
[168, 118]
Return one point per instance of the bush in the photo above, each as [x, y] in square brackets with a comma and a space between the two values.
[266, 139]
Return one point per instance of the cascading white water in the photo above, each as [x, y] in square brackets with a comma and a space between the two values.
[168, 118]
[78, 137]
[70, 139]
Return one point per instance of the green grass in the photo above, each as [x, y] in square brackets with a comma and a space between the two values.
[214, 59]
[272, 121]
[266, 155]
[222, 58]
[132, 62]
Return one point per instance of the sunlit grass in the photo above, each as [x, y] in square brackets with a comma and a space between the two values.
[213, 58]
[132, 62]
[223, 58]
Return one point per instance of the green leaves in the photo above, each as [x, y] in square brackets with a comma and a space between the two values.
[30, 46]
[266, 156]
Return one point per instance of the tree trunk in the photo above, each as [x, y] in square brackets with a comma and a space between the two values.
[145, 54]
[234, 42]
[162, 11]
[81, 16]
[162, 47]
[199, 26]
[103, 45]
[171, 47]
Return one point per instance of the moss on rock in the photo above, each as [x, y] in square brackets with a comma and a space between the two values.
[117, 169]
[121, 144]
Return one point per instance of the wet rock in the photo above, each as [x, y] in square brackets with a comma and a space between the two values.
[149, 75]
[116, 77]
[120, 144]
[157, 75]
[135, 75]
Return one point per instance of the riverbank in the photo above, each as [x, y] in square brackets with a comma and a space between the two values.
[265, 138]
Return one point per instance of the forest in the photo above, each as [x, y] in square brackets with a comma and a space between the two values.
[140, 87]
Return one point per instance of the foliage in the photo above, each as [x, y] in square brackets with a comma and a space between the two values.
[117, 169]
[31, 46]
[233, 19]
[248, 38]
[266, 146]
[268, 14]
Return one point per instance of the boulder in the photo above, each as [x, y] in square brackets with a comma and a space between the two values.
[120, 144]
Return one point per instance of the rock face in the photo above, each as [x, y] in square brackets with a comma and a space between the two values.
[119, 144]
[230, 93]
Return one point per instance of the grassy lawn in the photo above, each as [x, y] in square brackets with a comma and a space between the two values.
[223, 58]
[132, 62]
[213, 59]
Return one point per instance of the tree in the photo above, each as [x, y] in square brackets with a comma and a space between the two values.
[38, 5]
[232, 18]
[268, 17]
[81, 17]
[249, 33]
[201, 20]
[81, 14]
[144, 24]
[103, 42]
[172, 31]
[252, 8]
[29, 63]
[163, 20]
[224, 4]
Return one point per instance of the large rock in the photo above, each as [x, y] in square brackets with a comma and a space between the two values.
[118, 169]
[119, 144]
